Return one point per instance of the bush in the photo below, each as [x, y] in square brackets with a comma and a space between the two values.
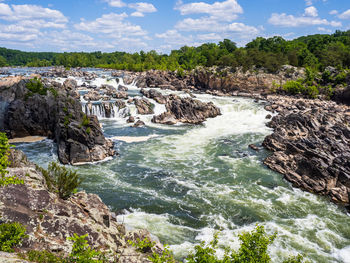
[35, 86]
[61, 180]
[293, 87]
[85, 122]
[4, 163]
[42, 257]
[81, 251]
[11, 235]
[143, 246]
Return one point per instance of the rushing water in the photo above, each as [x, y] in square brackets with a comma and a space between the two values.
[186, 182]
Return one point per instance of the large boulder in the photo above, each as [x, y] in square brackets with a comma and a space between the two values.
[56, 115]
[144, 106]
[186, 110]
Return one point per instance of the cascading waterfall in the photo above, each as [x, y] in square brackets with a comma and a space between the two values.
[105, 110]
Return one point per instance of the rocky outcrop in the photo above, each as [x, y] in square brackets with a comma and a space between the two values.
[310, 145]
[155, 95]
[220, 81]
[144, 106]
[61, 72]
[49, 220]
[186, 110]
[55, 114]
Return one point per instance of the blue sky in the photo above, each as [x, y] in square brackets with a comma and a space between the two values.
[161, 25]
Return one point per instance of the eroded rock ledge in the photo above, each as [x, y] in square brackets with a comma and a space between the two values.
[50, 220]
[311, 145]
[56, 115]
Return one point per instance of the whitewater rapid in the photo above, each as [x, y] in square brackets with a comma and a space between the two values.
[185, 182]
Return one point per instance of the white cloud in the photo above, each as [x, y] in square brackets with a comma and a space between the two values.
[112, 24]
[311, 11]
[115, 3]
[143, 7]
[308, 2]
[333, 12]
[284, 20]
[322, 29]
[225, 11]
[345, 15]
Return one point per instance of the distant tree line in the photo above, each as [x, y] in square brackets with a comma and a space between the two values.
[314, 51]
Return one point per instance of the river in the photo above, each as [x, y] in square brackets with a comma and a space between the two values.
[185, 182]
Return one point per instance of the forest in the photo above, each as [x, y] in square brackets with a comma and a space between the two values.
[313, 51]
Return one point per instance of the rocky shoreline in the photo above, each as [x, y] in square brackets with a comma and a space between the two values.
[49, 220]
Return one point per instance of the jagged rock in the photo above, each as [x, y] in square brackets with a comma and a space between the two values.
[70, 84]
[92, 95]
[131, 119]
[144, 106]
[186, 110]
[139, 123]
[49, 220]
[58, 117]
[122, 88]
[254, 147]
[155, 95]
[310, 146]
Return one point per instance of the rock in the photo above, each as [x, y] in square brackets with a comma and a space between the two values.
[92, 95]
[310, 146]
[70, 84]
[254, 147]
[131, 119]
[186, 110]
[59, 117]
[49, 220]
[144, 106]
[139, 123]
[268, 116]
[122, 88]
[155, 95]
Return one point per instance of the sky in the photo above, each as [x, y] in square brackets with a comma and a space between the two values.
[161, 25]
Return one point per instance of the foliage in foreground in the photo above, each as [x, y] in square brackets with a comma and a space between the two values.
[11, 235]
[4, 163]
[60, 180]
[253, 249]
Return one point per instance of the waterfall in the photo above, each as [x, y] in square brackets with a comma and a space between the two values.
[105, 110]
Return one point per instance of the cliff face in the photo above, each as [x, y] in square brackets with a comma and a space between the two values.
[50, 220]
[57, 115]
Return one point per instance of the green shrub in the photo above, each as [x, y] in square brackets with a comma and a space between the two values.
[42, 257]
[4, 163]
[311, 91]
[205, 253]
[88, 130]
[166, 256]
[61, 180]
[144, 245]
[35, 86]
[81, 251]
[85, 122]
[293, 87]
[11, 235]
[53, 92]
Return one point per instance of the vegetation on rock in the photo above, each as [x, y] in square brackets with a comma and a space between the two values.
[60, 180]
[4, 163]
[11, 235]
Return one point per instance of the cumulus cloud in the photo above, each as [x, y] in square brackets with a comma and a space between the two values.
[333, 12]
[142, 8]
[112, 24]
[345, 15]
[309, 18]
[115, 3]
[226, 10]
[311, 11]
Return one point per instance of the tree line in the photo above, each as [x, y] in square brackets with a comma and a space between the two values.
[314, 51]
